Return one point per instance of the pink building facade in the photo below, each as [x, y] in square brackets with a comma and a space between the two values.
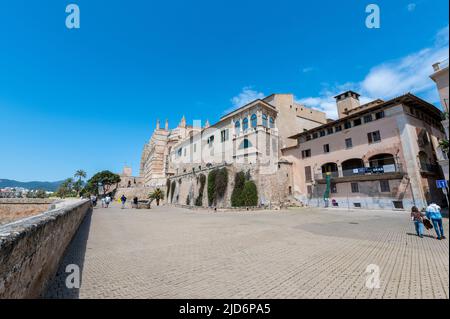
[381, 155]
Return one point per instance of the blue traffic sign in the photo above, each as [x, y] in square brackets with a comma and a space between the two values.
[441, 183]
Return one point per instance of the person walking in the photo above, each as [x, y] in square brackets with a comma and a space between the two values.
[135, 202]
[123, 199]
[417, 218]
[94, 200]
[107, 201]
[434, 214]
[103, 202]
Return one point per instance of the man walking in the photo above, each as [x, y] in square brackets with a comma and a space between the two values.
[434, 214]
[123, 199]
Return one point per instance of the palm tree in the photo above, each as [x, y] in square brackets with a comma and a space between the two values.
[157, 195]
[80, 174]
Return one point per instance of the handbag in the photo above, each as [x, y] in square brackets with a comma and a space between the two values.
[428, 225]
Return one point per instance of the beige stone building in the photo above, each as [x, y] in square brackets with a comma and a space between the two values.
[378, 155]
[154, 167]
[247, 139]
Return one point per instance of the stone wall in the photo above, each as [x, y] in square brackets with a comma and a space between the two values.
[273, 188]
[31, 249]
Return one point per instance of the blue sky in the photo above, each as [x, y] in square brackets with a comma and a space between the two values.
[89, 98]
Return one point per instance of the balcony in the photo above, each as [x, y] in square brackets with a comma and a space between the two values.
[392, 171]
[430, 169]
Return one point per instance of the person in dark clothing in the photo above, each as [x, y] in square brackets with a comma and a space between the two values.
[135, 202]
[123, 199]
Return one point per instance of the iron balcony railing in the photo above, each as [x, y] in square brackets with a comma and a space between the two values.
[429, 168]
[361, 171]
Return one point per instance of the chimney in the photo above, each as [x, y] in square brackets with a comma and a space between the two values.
[346, 102]
[167, 125]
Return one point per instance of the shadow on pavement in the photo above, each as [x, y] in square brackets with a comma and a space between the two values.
[74, 254]
[424, 235]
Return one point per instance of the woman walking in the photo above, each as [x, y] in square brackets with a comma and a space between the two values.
[417, 218]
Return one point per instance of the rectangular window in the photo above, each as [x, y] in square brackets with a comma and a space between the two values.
[348, 143]
[379, 115]
[306, 153]
[338, 128]
[355, 188]
[315, 135]
[224, 135]
[357, 122]
[326, 148]
[308, 175]
[384, 186]
[347, 125]
[308, 137]
[367, 118]
[322, 133]
[210, 140]
[329, 130]
[373, 137]
[333, 188]
[357, 205]
[398, 204]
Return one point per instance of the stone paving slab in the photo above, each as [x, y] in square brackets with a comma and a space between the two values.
[171, 252]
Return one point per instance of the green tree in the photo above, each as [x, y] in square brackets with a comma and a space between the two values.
[249, 196]
[157, 195]
[66, 189]
[443, 145]
[221, 183]
[212, 187]
[199, 199]
[40, 193]
[80, 174]
[239, 182]
[78, 185]
[106, 178]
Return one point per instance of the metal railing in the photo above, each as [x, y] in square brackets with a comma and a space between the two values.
[429, 168]
[361, 171]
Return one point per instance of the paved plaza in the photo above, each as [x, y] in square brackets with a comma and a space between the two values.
[171, 252]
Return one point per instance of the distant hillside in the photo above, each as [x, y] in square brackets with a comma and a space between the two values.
[48, 186]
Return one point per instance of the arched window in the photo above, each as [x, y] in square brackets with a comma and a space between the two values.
[245, 124]
[245, 144]
[272, 122]
[253, 120]
[264, 120]
[237, 126]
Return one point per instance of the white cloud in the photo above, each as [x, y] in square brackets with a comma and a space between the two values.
[246, 96]
[390, 79]
[411, 7]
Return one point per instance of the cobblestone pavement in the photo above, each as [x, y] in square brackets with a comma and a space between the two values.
[170, 252]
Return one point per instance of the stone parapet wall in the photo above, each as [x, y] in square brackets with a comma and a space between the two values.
[31, 249]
